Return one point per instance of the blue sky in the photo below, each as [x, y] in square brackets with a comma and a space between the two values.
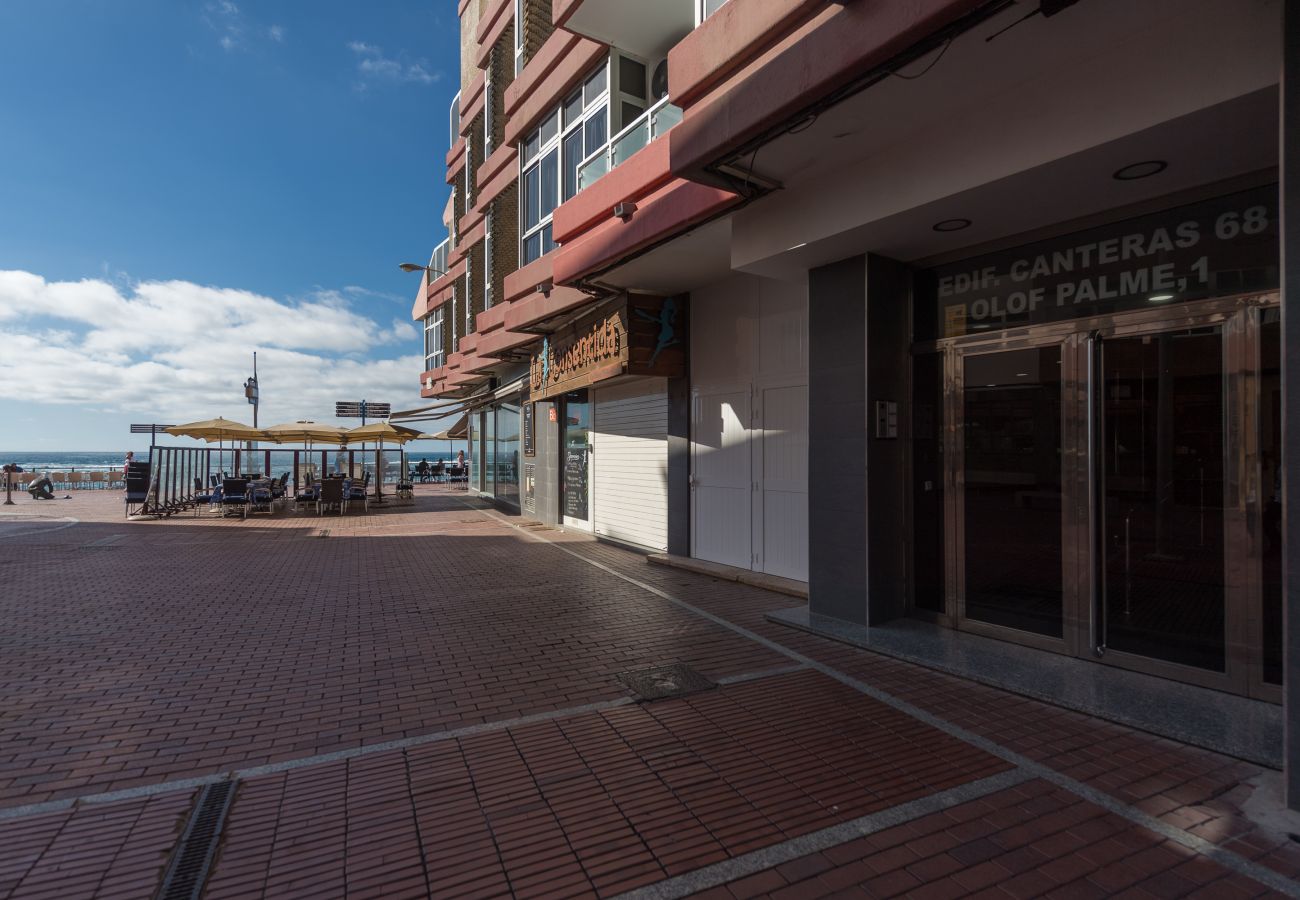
[251, 171]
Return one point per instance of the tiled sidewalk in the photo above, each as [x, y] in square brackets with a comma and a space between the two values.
[422, 702]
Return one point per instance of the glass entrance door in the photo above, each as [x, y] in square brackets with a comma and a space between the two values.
[1111, 491]
[1160, 454]
[1011, 498]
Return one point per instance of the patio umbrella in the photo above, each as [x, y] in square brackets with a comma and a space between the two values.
[219, 430]
[381, 432]
[307, 432]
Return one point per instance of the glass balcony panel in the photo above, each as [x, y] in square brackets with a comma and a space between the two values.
[663, 118]
[631, 140]
[592, 169]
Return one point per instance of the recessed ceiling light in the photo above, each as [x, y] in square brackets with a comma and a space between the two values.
[1160, 298]
[796, 246]
[1022, 374]
[952, 225]
[1144, 169]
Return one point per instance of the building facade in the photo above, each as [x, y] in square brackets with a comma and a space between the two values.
[968, 314]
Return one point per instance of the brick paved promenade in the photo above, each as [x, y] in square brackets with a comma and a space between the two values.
[422, 701]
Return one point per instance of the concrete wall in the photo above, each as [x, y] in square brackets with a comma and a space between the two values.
[837, 440]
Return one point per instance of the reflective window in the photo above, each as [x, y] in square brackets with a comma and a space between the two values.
[550, 157]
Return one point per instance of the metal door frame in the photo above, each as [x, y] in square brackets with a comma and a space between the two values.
[1242, 501]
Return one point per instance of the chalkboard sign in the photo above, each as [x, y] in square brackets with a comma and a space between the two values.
[529, 436]
[575, 482]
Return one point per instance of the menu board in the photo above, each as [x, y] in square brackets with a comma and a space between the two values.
[527, 409]
[575, 482]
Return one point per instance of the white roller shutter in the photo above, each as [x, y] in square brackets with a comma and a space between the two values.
[630, 463]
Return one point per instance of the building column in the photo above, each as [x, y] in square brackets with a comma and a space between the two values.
[679, 466]
[857, 357]
[1290, 250]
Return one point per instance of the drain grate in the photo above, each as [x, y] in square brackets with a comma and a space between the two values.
[663, 682]
[192, 858]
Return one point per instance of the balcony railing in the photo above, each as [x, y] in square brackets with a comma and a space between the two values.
[644, 129]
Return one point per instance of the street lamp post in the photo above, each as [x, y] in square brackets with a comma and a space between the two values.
[416, 267]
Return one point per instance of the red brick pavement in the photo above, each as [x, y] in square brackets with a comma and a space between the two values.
[1033, 840]
[595, 803]
[178, 648]
[112, 850]
[1188, 787]
[194, 647]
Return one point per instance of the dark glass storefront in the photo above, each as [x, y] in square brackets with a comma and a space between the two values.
[1107, 485]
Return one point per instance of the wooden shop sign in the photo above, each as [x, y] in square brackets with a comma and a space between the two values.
[640, 335]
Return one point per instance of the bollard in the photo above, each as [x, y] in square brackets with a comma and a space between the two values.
[9, 486]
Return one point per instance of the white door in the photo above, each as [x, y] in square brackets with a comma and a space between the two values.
[781, 445]
[721, 488]
[629, 470]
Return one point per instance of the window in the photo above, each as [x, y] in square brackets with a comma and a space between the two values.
[706, 8]
[519, 36]
[454, 119]
[469, 292]
[549, 158]
[487, 261]
[455, 338]
[434, 357]
[487, 105]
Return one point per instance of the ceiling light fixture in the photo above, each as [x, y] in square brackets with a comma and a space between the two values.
[1160, 298]
[1144, 169]
[952, 225]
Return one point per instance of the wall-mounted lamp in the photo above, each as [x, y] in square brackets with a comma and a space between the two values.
[624, 210]
[545, 287]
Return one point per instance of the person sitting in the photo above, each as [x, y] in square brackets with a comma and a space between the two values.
[423, 470]
[42, 488]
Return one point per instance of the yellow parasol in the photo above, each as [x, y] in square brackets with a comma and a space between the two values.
[218, 429]
[306, 432]
[381, 432]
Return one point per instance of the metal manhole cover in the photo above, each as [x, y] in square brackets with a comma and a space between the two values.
[663, 682]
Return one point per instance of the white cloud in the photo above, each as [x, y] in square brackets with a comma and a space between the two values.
[374, 65]
[179, 350]
[234, 32]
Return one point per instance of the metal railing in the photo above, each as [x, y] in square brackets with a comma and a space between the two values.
[645, 128]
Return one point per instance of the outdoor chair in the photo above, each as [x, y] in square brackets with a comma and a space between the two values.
[74, 480]
[202, 497]
[406, 491]
[309, 494]
[439, 472]
[359, 493]
[261, 498]
[331, 494]
[96, 479]
[234, 496]
[280, 487]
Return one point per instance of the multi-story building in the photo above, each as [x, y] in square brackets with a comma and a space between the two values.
[966, 315]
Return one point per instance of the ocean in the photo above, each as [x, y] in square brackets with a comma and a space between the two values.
[92, 460]
[85, 461]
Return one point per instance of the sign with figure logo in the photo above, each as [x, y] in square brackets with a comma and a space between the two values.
[638, 334]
